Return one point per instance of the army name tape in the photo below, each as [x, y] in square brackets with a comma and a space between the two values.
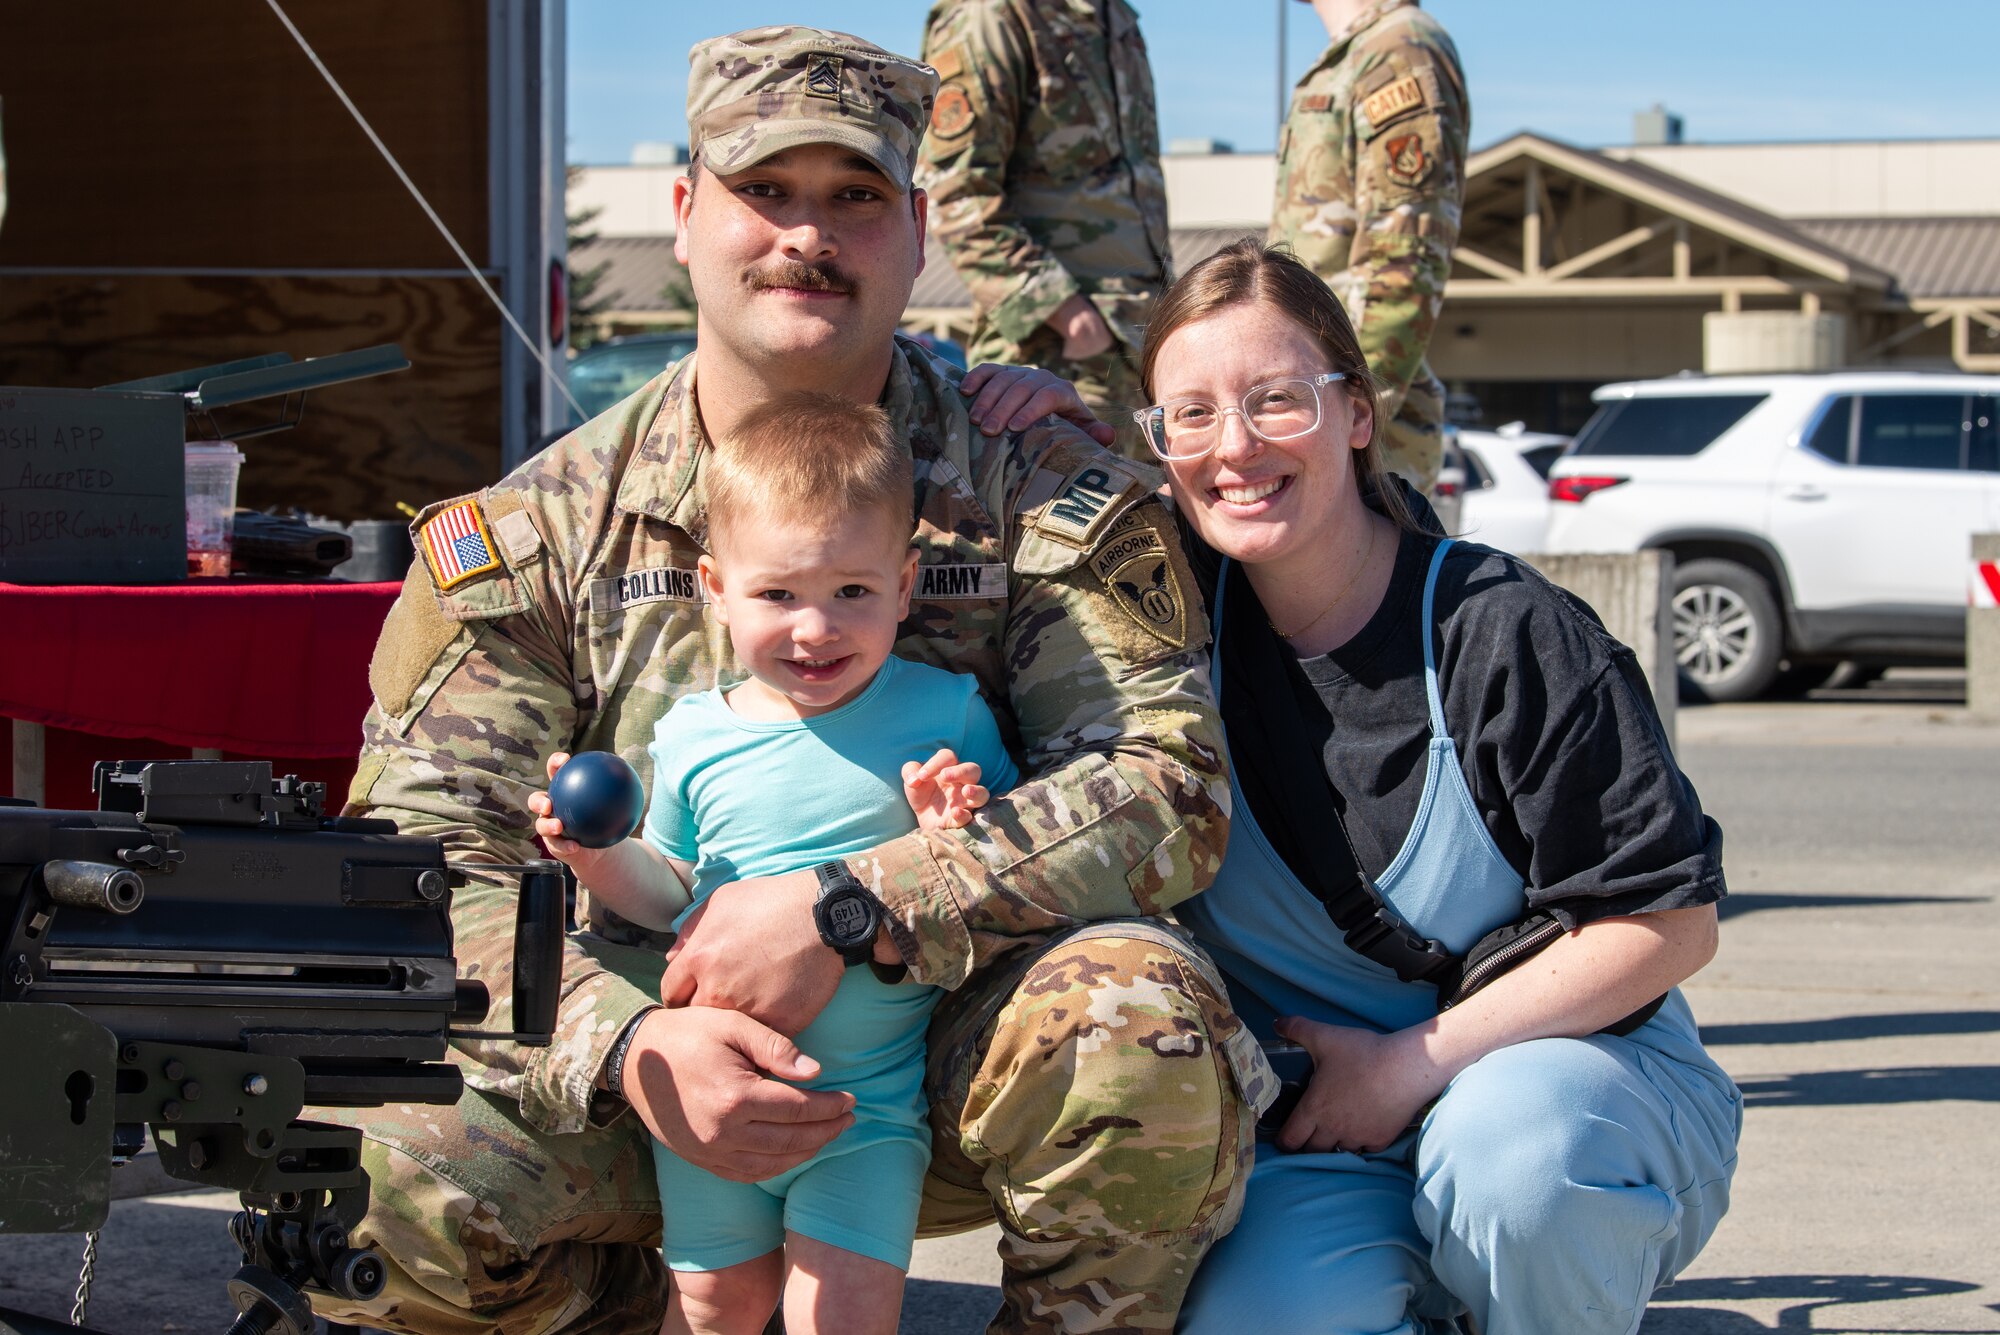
[961, 581]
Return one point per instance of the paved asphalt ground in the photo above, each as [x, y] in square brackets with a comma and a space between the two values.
[1856, 999]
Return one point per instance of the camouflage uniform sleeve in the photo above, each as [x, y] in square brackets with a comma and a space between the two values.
[1123, 808]
[1412, 125]
[473, 689]
[987, 65]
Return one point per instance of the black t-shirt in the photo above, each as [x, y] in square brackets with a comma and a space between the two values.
[1555, 728]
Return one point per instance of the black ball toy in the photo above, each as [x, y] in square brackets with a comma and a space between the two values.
[598, 798]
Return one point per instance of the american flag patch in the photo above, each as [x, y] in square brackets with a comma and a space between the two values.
[457, 545]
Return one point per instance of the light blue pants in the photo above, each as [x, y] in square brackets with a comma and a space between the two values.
[1554, 1187]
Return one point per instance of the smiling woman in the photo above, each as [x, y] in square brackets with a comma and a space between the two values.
[1443, 767]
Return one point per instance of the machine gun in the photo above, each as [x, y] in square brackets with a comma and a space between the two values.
[207, 954]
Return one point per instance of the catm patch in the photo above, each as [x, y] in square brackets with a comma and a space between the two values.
[1405, 160]
[1393, 100]
[949, 64]
[951, 114]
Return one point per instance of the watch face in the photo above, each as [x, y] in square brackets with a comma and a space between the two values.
[847, 917]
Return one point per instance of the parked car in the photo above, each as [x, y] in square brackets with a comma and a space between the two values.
[607, 372]
[1506, 486]
[1447, 493]
[1812, 518]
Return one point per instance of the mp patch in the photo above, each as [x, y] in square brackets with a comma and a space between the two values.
[960, 581]
[457, 545]
[1143, 579]
[1082, 501]
[951, 114]
[659, 584]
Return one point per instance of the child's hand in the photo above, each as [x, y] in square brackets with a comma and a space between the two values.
[567, 851]
[944, 791]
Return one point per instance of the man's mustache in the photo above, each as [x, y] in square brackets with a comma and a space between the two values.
[808, 277]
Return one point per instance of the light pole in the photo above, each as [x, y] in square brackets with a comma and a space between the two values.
[1281, 72]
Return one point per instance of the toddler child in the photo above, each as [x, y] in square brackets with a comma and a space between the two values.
[813, 757]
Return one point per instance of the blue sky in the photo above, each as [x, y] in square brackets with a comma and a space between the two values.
[1735, 70]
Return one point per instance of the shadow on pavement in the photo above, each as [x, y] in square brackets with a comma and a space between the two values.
[940, 1307]
[1904, 1084]
[1820, 1298]
[1736, 905]
[1846, 1027]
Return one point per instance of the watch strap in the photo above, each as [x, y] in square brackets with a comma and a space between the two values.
[614, 1064]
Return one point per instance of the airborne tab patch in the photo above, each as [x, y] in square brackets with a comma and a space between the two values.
[457, 544]
[960, 581]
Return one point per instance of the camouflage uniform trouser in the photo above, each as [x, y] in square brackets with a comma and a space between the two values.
[1088, 1093]
[1414, 449]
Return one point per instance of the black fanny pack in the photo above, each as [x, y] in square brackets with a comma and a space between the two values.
[1260, 709]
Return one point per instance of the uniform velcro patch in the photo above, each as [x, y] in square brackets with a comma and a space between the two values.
[1084, 500]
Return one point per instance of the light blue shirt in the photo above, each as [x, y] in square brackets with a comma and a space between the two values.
[743, 797]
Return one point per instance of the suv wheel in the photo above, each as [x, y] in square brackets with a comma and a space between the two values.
[1727, 638]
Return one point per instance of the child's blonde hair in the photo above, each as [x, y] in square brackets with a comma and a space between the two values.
[809, 456]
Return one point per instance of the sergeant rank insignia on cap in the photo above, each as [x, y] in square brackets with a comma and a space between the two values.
[457, 544]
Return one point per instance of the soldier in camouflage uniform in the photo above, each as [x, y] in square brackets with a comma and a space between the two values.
[1089, 1085]
[1043, 169]
[1371, 181]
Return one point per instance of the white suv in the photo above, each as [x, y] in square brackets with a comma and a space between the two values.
[1812, 518]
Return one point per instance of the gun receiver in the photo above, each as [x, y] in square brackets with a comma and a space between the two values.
[208, 954]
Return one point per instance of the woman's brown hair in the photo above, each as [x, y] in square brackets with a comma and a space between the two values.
[1251, 272]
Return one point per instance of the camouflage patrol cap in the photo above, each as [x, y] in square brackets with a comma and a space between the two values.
[763, 90]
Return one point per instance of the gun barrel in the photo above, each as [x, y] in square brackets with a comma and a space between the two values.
[93, 885]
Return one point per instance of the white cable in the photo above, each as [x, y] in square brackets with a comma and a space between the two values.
[534, 350]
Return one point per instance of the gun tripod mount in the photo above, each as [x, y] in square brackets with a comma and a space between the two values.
[209, 954]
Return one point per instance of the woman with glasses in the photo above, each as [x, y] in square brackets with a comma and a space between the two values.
[1432, 720]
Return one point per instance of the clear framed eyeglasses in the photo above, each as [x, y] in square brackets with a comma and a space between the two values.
[1275, 410]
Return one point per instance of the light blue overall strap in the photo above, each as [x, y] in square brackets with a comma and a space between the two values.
[1430, 654]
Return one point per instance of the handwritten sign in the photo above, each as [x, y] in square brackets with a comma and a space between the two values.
[91, 488]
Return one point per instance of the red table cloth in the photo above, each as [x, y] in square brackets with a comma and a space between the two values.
[261, 669]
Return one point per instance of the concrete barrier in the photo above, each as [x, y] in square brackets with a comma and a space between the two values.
[1982, 629]
[1633, 594]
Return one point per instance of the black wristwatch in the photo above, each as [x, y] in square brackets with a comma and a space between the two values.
[848, 917]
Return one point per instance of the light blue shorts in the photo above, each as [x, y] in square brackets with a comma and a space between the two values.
[861, 1199]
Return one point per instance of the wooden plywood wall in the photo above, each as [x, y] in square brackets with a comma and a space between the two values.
[193, 137]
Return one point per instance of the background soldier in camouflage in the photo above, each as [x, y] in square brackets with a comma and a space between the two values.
[1043, 168]
[1088, 1081]
[1371, 180]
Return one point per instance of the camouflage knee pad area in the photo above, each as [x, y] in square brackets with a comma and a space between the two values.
[1096, 1094]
